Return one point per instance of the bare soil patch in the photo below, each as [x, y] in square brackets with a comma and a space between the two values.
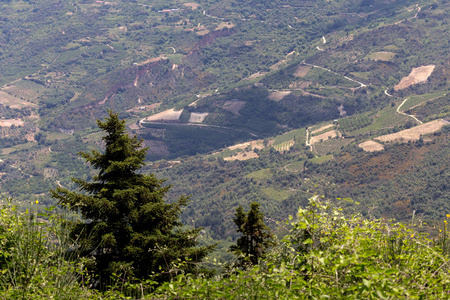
[234, 106]
[168, 115]
[258, 144]
[242, 156]
[10, 122]
[323, 137]
[197, 117]
[14, 102]
[416, 76]
[144, 107]
[383, 56]
[192, 5]
[371, 146]
[302, 70]
[256, 75]
[277, 96]
[322, 128]
[413, 134]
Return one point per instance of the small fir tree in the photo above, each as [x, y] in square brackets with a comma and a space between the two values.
[127, 228]
[256, 236]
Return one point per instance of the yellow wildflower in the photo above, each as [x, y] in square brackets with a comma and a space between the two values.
[37, 201]
[448, 216]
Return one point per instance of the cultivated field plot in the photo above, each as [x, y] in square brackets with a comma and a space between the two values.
[323, 128]
[371, 146]
[258, 144]
[10, 122]
[197, 117]
[14, 102]
[322, 137]
[242, 156]
[413, 134]
[279, 95]
[417, 100]
[416, 76]
[234, 106]
[302, 70]
[156, 147]
[383, 56]
[331, 146]
[285, 146]
[168, 115]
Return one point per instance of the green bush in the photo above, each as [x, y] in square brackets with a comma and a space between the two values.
[329, 255]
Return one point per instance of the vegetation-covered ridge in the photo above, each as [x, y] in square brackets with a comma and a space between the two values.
[324, 251]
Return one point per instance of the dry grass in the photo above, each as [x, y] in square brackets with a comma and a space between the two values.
[371, 146]
[322, 128]
[10, 122]
[168, 115]
[197, 117]
[242, 156]
[14, 102]
[383, 56]
[258, 144]
[323, 137]
[413, 134]
[416, 76]
[277, 96]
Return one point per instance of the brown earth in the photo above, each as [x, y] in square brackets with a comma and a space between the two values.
[302, 70]
[322, 128]
[416, 76]
[323, 137]
[168, 115]
[10, 122]
[413, 134]
[371, 146]
[242, 156]
[278, 95]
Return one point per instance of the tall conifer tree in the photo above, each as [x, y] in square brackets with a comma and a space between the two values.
[127, 227]
[256, 236]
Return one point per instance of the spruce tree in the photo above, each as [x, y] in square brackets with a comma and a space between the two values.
[256, 236]
[126, 227]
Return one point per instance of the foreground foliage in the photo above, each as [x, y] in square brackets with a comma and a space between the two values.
[329, 255]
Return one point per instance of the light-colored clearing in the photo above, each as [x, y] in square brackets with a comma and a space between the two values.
[197, 117]
[413, 134]
[416, 76]
[168, 115]
[256, 75]
[144, 107]
[278, 95]
[225, 25]
[371, 146]
[242, 156]
[323, 137]
[10, 122]
[13, 102]
[192, 5]
[383, 56]
[302, 70]
[258, 144]
[155, 59]
[322, 128]
[234, 106]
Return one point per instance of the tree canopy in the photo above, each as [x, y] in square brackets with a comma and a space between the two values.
[126, 227]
